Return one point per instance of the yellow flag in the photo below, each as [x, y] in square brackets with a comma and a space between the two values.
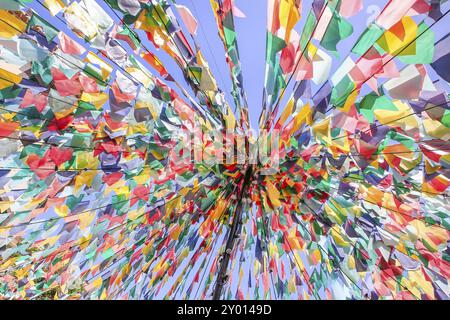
[11, 77]
[274, 194]
[54, 6]
[10, 25]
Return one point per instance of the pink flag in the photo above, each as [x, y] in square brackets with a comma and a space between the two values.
[238, 12]
[350, 7]
[393, 12]
[188, 18]
[68, 45]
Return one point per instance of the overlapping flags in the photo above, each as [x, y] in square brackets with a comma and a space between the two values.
[101, 197]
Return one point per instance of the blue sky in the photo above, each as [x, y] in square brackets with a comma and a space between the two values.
[251, 35]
